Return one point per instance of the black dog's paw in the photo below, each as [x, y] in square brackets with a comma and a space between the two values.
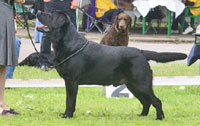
[141, 115]
[64, 115]
[160, 117]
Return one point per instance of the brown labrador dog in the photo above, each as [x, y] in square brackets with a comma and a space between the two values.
[118, 32]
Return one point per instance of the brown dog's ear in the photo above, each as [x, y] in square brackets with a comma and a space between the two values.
[116, 20]
[130, 21]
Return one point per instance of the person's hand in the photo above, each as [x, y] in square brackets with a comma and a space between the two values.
[183, 1]
[74, 4]
[20, 1]
[47, 0]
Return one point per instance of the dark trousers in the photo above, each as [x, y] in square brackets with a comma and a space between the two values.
[179, 19]
[109, 16]
[45, 47]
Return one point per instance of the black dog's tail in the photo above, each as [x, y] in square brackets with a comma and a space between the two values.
[163, 56]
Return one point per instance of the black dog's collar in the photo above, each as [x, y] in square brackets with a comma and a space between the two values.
[71, 55]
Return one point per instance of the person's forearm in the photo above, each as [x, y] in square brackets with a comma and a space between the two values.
[20, 1]
[47, 0]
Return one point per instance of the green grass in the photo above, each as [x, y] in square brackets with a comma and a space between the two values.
[172, 69]
[169, 69]
[25, 72]
[42, 107]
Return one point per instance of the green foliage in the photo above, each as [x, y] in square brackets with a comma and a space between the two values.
[43, 106]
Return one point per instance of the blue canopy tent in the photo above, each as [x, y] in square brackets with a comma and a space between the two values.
[194, 54]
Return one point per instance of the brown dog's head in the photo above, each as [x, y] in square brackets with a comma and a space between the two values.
[123, 22]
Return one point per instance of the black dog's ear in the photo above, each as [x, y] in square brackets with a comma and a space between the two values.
[59, 19]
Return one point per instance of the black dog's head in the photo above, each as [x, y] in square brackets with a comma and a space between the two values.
[123, 22]
[53, 20]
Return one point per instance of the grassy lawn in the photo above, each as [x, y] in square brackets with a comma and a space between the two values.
[168, 69]
[43, 106]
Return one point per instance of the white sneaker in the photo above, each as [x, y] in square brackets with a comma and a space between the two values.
[174, 31]
[188, 30]
[198, 29]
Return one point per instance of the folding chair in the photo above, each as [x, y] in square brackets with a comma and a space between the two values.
[154, 14]
[93, 21]
[77, 15]
[186, 14]
[20, 13]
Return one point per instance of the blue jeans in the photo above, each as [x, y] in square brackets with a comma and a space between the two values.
[10, 69]
[38, 35]
[179, 20]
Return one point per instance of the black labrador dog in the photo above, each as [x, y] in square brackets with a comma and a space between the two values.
[79, 61]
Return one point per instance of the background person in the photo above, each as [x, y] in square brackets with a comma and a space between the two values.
[10, 69]
[69, 6]
[38, 6]
[8, 55]
[107, 9]
[193, 11]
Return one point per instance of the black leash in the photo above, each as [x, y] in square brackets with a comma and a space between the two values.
[72, 55]
[27, 28]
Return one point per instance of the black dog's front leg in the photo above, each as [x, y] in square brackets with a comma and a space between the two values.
[71, 93]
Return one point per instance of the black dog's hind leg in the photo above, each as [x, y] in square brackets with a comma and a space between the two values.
[145, 103]
[143, 100]
[158, 105]
[146, 98]
[71, 93]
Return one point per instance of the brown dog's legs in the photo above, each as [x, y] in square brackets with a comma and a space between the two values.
[71, 93]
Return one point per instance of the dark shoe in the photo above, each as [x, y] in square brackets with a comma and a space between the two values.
[10, 112]
[44, 68]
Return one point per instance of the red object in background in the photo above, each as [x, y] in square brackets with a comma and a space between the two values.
[16, 17]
